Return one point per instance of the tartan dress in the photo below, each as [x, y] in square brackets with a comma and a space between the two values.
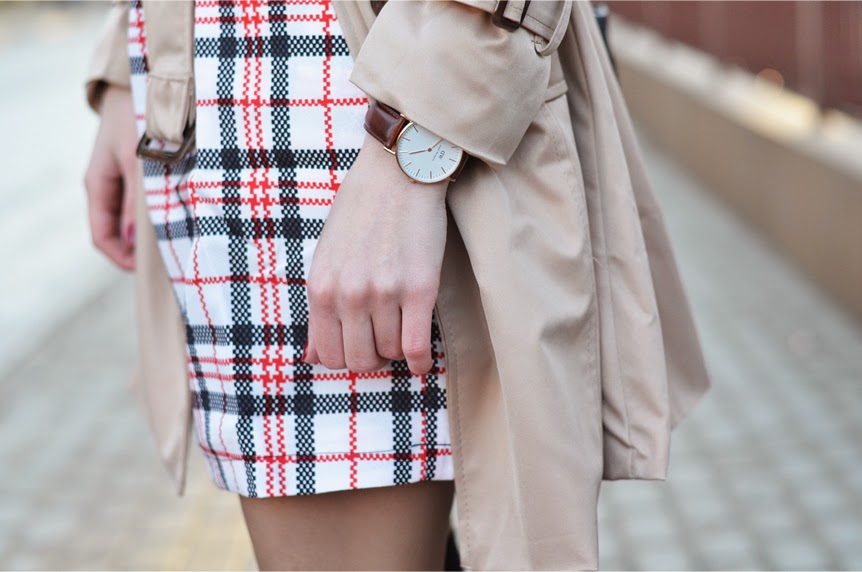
[277, 126]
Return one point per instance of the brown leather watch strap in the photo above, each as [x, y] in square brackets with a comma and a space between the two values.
[384, 123]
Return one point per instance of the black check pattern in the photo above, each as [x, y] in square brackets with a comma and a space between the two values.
[237, 221]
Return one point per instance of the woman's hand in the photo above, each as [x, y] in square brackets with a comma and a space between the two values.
[374, 277]
[111, 178]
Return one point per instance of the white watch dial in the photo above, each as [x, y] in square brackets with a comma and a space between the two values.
[424, 156]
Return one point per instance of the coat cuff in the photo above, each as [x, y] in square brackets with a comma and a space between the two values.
[109, 60]
[447, 67]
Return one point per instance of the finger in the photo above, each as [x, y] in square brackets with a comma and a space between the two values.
[329, 340]
[416, 337]
[323, 322]
[360, 352]
[386, 324]
[104, 205]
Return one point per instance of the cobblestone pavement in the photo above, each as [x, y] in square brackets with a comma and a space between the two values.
[80, 482]
[81, 486]
[766, 473]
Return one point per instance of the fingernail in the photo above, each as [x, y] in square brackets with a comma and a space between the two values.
[130, 235]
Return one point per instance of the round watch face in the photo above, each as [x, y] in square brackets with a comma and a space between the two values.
[424, 156]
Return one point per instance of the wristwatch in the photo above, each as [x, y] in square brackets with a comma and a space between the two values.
[423, 156]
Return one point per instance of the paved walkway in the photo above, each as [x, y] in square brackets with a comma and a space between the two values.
[765, 474]
[81, 486]
[80, 482]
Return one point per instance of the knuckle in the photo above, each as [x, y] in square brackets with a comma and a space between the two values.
[422, 292]
[386, 290]
[354, 296]
[321, 292]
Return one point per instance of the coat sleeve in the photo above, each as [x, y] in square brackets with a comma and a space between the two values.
[446, 66]
[109, 60]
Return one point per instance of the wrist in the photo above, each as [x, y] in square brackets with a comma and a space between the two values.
[422, 155]
[386, 162]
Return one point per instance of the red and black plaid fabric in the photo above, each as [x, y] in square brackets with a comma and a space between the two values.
[278, 125]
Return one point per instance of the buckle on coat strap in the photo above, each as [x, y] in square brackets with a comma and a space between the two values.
[502, 21]
[144, 151]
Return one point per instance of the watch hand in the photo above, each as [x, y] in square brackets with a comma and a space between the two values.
[426, 150]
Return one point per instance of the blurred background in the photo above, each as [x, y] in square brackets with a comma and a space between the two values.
[750, 118]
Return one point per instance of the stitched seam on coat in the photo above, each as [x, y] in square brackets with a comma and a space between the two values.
[451, 376]
[584, 220]
[594, 138]
[520, 10]
[580, 206]
[539, 22]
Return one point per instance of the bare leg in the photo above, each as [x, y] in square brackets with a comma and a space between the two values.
[400, 527]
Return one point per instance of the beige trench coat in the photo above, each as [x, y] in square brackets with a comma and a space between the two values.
[571, 349]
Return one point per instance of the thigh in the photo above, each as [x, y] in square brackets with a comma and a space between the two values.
[402, 527]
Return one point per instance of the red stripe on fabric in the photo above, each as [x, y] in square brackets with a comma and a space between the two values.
[238, 185]
[218, 3]
[271, 202]
[141, 37]
[181, 186]
[166, 191]
[443, 451]
[253, 134]
[354, 408]
[327, 96]
[209, 280]
[192, 194]
[424, 449]
[286, 378]
[198, 282]
[282, 102]
[258, 361]
[257, 19]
